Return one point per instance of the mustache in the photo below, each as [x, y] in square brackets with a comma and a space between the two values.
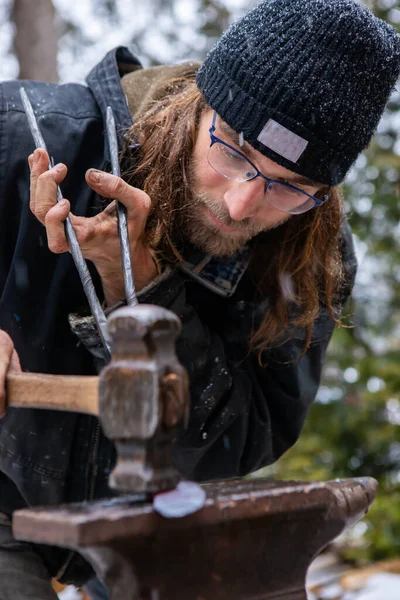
[246, 226]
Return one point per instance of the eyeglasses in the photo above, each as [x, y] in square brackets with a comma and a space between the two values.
[234, 165]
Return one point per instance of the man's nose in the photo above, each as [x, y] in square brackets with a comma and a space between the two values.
[245, 198]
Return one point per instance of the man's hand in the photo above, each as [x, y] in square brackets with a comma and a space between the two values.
[9, 362]
[97, 236]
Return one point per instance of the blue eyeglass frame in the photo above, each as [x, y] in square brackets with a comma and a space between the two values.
[216, 140]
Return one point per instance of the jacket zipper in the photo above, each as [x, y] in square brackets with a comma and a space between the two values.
[93, 457]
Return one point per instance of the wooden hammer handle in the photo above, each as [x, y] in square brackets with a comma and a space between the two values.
[60, 392]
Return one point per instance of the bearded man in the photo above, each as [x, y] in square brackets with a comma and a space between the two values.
[236, 223]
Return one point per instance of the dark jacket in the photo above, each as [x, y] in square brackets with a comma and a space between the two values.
[243, 416]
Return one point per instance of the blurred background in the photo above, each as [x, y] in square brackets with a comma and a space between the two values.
[354, 427]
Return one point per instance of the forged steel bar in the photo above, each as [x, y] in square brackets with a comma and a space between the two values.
[130, 292]
[76, 252]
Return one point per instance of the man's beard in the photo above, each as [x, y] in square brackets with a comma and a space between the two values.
[204, 235]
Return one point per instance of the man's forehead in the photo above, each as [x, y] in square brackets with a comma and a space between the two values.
[231, 132]
[237, 138]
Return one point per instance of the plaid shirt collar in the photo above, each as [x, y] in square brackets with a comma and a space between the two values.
[220, 275]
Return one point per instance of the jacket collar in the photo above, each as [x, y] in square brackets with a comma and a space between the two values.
[220, 275]
[104, 80]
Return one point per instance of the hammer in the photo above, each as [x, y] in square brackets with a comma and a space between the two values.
[141, 396]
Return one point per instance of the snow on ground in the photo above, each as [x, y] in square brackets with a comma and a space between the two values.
[328, 579]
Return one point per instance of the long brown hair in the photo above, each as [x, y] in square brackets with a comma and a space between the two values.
[303, 251]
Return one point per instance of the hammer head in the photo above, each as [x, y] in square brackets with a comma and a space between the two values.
[143, 397]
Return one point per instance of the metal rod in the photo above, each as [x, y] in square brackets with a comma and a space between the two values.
[130, 292]
[76, 252]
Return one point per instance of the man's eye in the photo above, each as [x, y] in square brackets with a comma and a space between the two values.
[231, 154]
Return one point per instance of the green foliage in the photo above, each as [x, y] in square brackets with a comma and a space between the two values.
[383, 533]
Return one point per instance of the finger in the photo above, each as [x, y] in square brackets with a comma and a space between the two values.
[55, 228]
[38, 164]
[15, 364]
[111, 209]
[136, 201]
[46, 190]
[6, 353]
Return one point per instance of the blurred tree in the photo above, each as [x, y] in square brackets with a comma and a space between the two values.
[35, 40]
[160, 32]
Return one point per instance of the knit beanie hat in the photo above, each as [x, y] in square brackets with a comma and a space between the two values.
[306, 81]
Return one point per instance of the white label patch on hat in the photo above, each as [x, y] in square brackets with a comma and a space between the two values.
[282, 141]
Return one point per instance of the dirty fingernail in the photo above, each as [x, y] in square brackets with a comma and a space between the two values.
[94, 176]
[59, 167]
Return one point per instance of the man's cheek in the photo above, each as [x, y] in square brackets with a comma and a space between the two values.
[212, 182]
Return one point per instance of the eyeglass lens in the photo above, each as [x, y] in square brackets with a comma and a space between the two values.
[232, 165]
